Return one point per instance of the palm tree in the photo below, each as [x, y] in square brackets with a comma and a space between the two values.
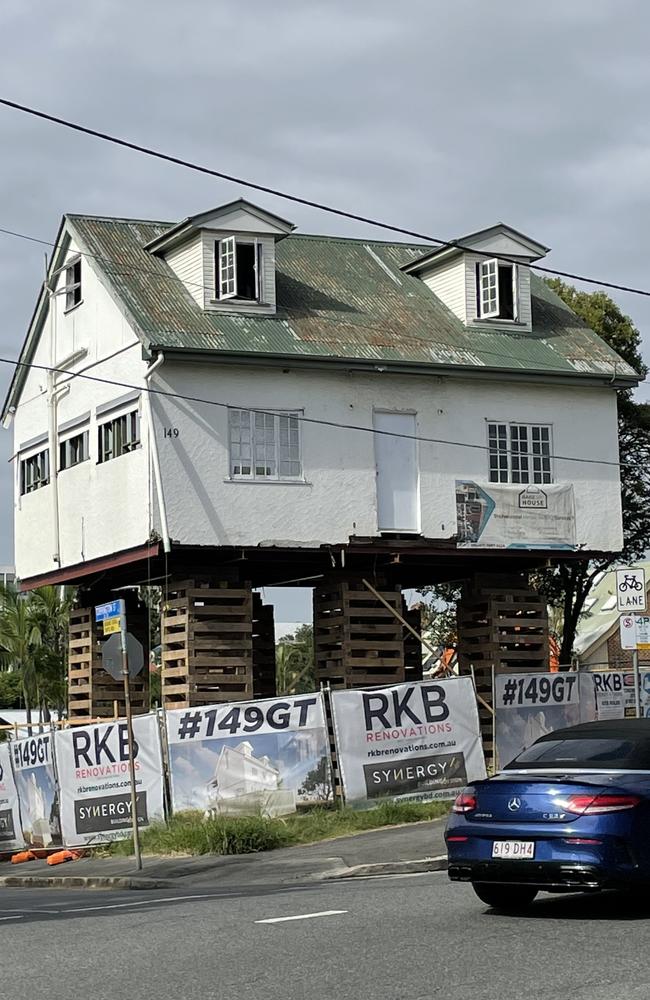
[20, 638]
[33, 642]
[50, 611]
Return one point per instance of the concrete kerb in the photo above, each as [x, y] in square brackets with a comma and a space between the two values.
[439, 864]
[141, 883]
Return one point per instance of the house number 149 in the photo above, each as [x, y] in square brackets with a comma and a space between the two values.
[171, 432]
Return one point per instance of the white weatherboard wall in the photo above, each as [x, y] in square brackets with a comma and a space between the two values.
[338, 496]
[104, 508]
[447, 281]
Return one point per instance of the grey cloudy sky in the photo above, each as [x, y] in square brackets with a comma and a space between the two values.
[438, 116]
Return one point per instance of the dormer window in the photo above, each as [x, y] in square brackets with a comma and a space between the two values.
[238, 268]
[496, 282]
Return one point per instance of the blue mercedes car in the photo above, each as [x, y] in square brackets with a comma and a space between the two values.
[571, 813]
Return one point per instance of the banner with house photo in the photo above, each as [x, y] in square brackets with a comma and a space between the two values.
[409, 742]
[498, 516]
[249, 758]
[528, 706]
[11, 837]
[94, 784]
[33, 764]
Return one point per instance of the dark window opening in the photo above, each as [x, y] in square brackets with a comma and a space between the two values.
[74, 451]
[506, 293]
[73, 285]
[119, 436]
[34, 472]
[246, 271]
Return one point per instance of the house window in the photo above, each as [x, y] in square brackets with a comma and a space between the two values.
[497, 289]
[119, 436]
[238, 269]
[34, 472]
[74, 450]
[73, 284]
[264, 445]
[520, 453]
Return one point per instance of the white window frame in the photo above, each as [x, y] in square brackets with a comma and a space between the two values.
[488, 278]
[509, 467]
[254, 475]
[227, 256]
[72, 286]
[489, 290]
[226, 259]
[38, 483]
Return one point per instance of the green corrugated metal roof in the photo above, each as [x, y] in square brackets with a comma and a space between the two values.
[338, 298]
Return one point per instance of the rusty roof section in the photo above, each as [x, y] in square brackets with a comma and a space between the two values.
[339, 299]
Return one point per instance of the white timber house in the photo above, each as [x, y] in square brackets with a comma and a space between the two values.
[228, 384]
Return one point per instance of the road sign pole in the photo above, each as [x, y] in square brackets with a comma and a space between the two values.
[637, 682]
[131, 742]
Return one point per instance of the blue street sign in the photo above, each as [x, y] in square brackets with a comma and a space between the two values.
[114, 609]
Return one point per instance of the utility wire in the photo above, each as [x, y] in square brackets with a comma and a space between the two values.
[302, 419]
[322, 207]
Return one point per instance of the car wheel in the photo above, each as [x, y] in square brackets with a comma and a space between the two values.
[504, 897]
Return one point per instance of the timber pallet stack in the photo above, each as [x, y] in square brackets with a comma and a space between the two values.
[264, 685]
[207, 644]
[502, 625]
[357, 641]
[412, 647]
[92, 693]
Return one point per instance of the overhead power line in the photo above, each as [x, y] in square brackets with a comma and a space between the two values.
[297, 199]
[301, 418]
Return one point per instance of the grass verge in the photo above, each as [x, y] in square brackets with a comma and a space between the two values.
[190, 833]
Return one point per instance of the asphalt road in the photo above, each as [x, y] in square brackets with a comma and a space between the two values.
[418, 937]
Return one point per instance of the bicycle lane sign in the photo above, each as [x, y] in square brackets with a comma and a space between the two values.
[630, 589]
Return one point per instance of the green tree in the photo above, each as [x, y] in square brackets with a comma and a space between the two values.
[10, 689]
[567, 586]
[294, 662]
[318, 782]
[20, 639]
[50, 612]
[33, 644]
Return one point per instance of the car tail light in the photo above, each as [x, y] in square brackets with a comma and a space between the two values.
[596, 805]
[465, 802]
[457, 840]
[582, 840]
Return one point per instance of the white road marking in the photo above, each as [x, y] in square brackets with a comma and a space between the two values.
[18, 916]
[301, 916]
[142, 902]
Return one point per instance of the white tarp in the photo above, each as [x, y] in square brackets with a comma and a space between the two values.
[93, 770]
[498, 516]
[254, 758]
[411, 742]
[528, 706]
[33, 763]
[11, 837]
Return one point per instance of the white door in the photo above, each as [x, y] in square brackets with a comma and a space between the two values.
[397, 472]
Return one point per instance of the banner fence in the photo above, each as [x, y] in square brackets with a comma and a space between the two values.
[414, 742]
